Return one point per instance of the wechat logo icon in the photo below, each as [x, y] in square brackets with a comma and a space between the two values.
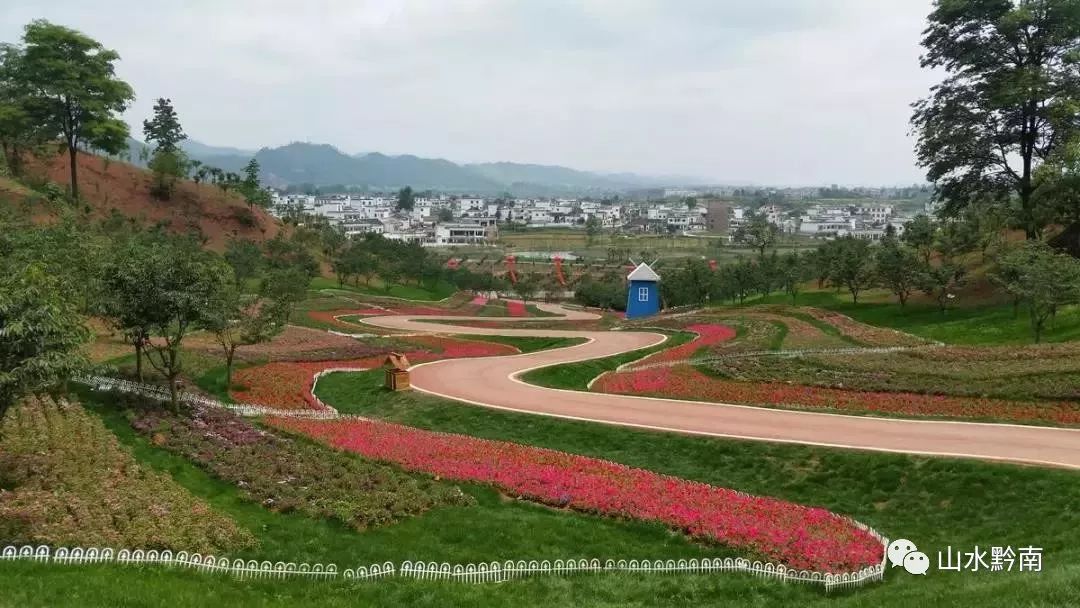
[903, 552]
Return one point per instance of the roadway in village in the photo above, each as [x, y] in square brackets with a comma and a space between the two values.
[494, 382]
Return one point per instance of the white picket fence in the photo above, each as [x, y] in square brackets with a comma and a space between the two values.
[161, 393]
[250, 569]
[485, 572]
[497, 572]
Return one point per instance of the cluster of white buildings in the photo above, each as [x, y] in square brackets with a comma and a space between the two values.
[453, 220]
[860, 221]
[445, 220]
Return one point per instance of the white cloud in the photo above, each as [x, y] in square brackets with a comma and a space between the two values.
[772, 91]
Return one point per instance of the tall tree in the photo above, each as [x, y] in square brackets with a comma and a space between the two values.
[921, 233]
[189, 280]
[1043, 278]
[238, 319]
[758, 233]
[164, 130]
[592, 228]
[75, 90]
[40, 334]
[250, 187]
[792, 273]
[898, 268]
[1007, 103]
[853, 266]
[246, 259]
[164, 286]
[941, 281]
[406, 200]
[20, 128]
[527, 286]
[126, 299]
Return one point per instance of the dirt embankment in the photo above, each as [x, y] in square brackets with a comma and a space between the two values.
[110, 185]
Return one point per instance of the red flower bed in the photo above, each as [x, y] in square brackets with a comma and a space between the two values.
[516, 308]
[287, 385]
[452, 348]
[687, 383]
[797, 536]
[707, 335]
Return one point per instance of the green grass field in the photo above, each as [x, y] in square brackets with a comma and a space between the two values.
[576, 376]
[962, 324]
[937, 503]
[377, 289]
[934, 502]
[576, 241]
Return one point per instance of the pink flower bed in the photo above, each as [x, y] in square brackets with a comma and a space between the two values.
[708, 334]
[479, 300]
[798, 536]
[516, 308]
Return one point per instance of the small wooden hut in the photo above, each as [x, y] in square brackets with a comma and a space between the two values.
[397, 372]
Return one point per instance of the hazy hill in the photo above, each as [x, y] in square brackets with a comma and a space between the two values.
[325, 165]
[551, 176]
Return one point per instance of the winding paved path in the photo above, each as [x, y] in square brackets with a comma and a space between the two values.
[493, 382]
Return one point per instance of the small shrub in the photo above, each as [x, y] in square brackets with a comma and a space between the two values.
[245, 217]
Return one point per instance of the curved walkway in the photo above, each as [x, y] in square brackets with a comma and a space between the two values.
[493, 382]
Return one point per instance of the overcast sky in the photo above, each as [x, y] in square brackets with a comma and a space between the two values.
[763, 91]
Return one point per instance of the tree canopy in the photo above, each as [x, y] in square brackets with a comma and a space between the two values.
[1008, 103]
[72, 89]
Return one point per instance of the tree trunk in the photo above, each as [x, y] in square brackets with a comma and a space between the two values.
[138, 360]
[228, 369]
[174, 394]
[73, 156]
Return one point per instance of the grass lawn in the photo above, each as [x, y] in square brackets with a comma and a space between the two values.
[576, 376]
[934, 502]
[405, 292]
[527, 345]
[962, 324]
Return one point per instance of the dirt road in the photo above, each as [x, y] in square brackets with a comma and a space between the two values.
[493, 382]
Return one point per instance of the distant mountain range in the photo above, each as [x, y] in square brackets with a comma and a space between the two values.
[325, 165]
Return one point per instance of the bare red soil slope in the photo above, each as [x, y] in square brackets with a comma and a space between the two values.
[108, 185]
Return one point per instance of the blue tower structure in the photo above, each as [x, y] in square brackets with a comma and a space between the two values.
[643, 299]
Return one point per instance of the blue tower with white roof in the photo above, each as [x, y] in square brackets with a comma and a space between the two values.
[643, 299]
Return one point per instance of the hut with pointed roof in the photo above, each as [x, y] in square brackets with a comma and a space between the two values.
[643, 298]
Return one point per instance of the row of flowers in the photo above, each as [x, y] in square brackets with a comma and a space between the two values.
[686, 382]
[516, 308]
[287, 385]
[869, 335]
[287, 474]
[797, 536]
[68, 481]
[708, 334]
[921, 371]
